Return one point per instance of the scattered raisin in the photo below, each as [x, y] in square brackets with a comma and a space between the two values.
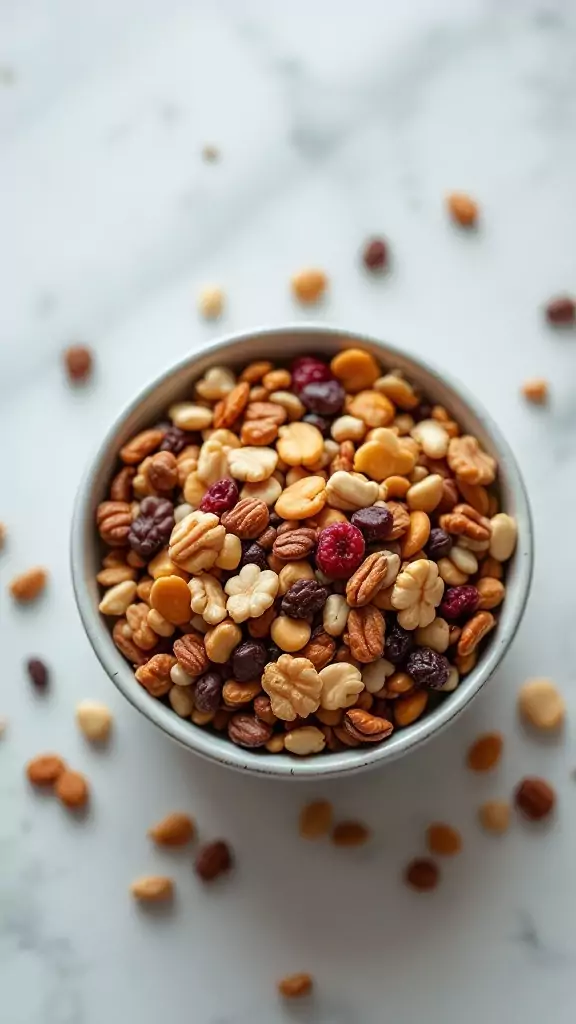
[309, 370]
[79, 361]
[175, 440]
[535, 798]
[375, 254]
[213, 860]
[252, 553]
[561, 311]
[38, 672]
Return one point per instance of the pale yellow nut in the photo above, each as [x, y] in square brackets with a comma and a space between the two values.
[300, 444]
[335, 614]
[292, 572]
[494, 816]
[117, 599]
[452, 682]
[541, 704]
[211, 302]
[290, 402]
[464, 559]
[251, 592]
[375, 674]
[416, 594]
[432, 438]
[267, 490]
[306, 740]
[303, 499]
[188, 416]
[348, 428]
[294, 687]
[206, 598]
[152, 888]
[194, 490]
[384, 455]
[503, 535]
[350, 491]
[398, 390]
[230, 553]
[341, 684]
[212, 465]
[181, 700]
[426, 495]
[252, 465]
[450, 574]
[162, 565]
[309, 285]
[216, 383]
[435, 635]
[179, 677]
[290, 634]
[94, 720]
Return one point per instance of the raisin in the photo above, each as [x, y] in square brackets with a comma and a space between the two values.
[151, 530]
[249, 660]
[274, 652]
[561, 311]
[309, 370]
[375, 254]
[375, 522]
[399, 644]
[428, 668]
[459, 601]
[326, 397]
[208, 692]
[253, 554]
[320, 422]
[175, 440]
[304, 599]
[439, 544]
[220, 497]
[213, 860]
[38, 672]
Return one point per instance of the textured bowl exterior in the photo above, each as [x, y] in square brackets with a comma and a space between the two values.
[280, 344]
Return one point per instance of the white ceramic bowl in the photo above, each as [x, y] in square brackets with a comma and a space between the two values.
[283, 344]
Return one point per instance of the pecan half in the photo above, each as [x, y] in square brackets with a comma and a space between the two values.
[266, 411]
[367, 580]
[140, 446]
[258, 432]
[320, 649]
[366, 728]
[249, 731]
[294, 545]
[248, 519]
[365, 633]
[114, 519]
[121, 486]
[122, 637]
[345, 458]
[229, 409]
[465, 521]
[190, 653]
[474, 631]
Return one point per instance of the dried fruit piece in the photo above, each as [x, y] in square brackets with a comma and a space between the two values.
[294, 986]
[399, 643]
[374, 522]
[422, 875]
[151, 529]
[535, 798]
[459, 601]
[443, 839]
[485, 752]
[38, 672]
[316, 819]
[304, 599]
[375, 254]
[323, 397]
[428, 668]
[213, 859]
[175, 829]
[541, 704]
[561, 311]
[220, 497]
[340, 550]
[309, 285]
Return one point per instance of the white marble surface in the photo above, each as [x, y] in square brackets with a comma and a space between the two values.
[334, 121]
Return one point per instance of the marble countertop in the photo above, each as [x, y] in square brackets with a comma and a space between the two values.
[334, 122]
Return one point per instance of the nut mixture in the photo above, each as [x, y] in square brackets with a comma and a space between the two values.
[304, 558]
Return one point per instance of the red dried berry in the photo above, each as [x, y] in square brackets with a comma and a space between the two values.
[561, 311]
[459, 601]
[220, 497]
[38, 672]
[309, 370]
[325, 397]
[340, 550]
[375, 255]
[78, 360]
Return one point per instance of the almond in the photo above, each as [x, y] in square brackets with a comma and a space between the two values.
[175, 829]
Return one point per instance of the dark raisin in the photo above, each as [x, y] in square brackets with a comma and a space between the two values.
[38, 672]
[428, 668]
[422, 412]
[208, 692]
[375, 254]
[252, 553]
[439, 544]
[151, 530]
[304, 599]
[220, 497]
[213, 860]
[275, 519]
[324, 397]
[459, 601]
[320, 422]
[309, 370]
[374, 523]
[249, 660]
[561, 311]
[399, 643]
[274, 652]
[175, 440]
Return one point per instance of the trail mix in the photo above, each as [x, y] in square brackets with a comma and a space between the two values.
[304, 558]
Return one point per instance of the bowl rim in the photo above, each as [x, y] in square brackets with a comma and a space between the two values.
[219, 749]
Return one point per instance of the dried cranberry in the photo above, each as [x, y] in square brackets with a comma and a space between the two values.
[428, 668]
[319, 422]
[561, 311]
[252, 553]
[309, 370]
[340, 550]
[249, 660]
[459, 601]
[151, 529]
[208, 692]
[175, 440]
[375, 522]
[326, 397]
[399, 644]
[439, 544]
[38, 672]
[304, 599]
[220, 497]
[375, 254]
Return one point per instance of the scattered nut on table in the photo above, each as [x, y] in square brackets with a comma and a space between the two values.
[541, 705]
[176, 829]
[94, 719]
[152, 888]
[295, 986]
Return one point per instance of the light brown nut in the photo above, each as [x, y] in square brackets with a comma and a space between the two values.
[373, 408]
[503, 536]
[426, 495]
[28, 585]
[432, 438]
[290, 402]
[140, 446]
[163, 471]
[398, 684]
[465, 521]
[485, 753]
[235, 694]
[467, 663]
[152, 888]
[300, 444]
[254, 372]
[115, 574]
[476, 496]
[409, 708]
[216, 383]
[365, 636]
[343, 459]
[474, 632]
[350, 491]
[303, 499]
[443, 839]
[294, 687]
[305, 740]
[436, 635]
[175, 829]
[162, 565]
[368, 579]
[154, 676]
[251, 592]
[230, 553]
[309, 285]
[263, 709]
[422, 874]
[196, 541]
[190, 653]
[252, 465]
[248, 731]
[348, 428]
[401, 517]
[45, 769]
[232, 406]
[449, 497]
[365, 727]
[269, 411]
[535, 390]
[277, 379]
[94, 720]
[211, 302]
[118, 598]
[462, 209]
[316, 819]
[260, 627]
[350, 833]
[290, 634]
[330, 717]
[417, 534]
[469, 463]
[114, 519]
[294, 545]
[122, 637]
[207, 598]
[275, 744]
[541, 705]
[491, 567]
[417, 593]
[384, 455]
[341, 684]
[72, 790]
[247, 519]
[450, 574]
[221, 641]
[491, 592]
[355, 368]
[494, 816]
[78, 361]
[187, 462]
[258, 432]
[121, 486]
[398, 390]
[181, 699]
[141, 633]
[320, 649]
[464, 559]
[294, 986]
